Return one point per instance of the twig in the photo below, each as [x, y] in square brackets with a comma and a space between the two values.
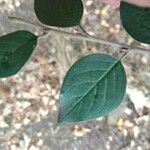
[84, 36]
[83, 30]
[23, 21]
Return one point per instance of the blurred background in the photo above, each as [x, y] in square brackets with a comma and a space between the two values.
[29, 101]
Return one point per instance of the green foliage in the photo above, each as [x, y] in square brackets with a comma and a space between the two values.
[136, 21]
[60, 13]
[94, 86]
[15, 50]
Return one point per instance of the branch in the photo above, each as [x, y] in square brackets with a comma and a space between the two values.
[83, 36]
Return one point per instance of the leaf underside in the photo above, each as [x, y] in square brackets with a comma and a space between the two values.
[15, 49]
[94, 86]
[60, 13]
[136, 21]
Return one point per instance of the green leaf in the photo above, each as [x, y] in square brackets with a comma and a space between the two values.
[136, 21]
[60, 13]
[15, 50]
[94, 86]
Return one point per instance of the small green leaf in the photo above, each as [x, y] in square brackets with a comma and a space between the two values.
[136, 21]
[94, 86]
[15, 50]
[60, 13]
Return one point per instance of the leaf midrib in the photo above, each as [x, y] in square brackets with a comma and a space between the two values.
[61, 117]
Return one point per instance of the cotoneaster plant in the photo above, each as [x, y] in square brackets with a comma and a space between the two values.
[96, 84]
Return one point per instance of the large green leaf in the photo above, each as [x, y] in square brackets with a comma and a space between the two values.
[94, 86]
[60, 13]
[136, 21]
[15, 50]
